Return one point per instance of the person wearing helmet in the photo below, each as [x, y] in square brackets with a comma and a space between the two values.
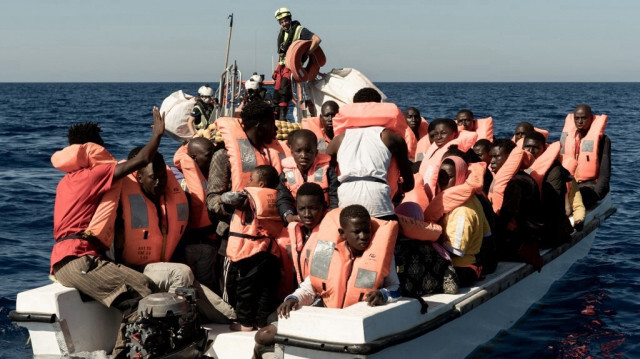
[202, 110]
[254, 89]
[290, 31]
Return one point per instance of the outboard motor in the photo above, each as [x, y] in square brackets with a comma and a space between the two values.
[167, 327]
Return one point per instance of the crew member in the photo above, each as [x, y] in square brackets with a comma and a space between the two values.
[202, 111]
[290, 31]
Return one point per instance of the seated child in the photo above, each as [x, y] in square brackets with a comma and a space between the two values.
[465, 226]
[253, 250]
[305, 165]
[360, 237]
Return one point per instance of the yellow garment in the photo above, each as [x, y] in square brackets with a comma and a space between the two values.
[466, 226]
[575, 199]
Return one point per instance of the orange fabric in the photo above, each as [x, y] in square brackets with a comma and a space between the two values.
[252, 233]
[485, 128]
[423, 129]
[541, 131]
[369, 114]
[454, 197]
[415, 229]
[76, 157]
[588, 163]
[433, 157]
[282, 148]
[314, 124]
[343, 284]
[417, 194]
[286, 265]
[317, 174]
[541, 165]
[145, 241]
[197, 185]
[243, 157]
[293, 60]
[518, 158]
[300, 249]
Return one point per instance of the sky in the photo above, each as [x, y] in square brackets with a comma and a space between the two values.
[421, 41]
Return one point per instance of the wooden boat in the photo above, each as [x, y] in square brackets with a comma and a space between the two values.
[61, 323]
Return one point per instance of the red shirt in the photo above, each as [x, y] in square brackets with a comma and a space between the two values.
[77, 198]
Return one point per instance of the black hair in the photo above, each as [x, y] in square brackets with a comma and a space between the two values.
[443, 121]
[352, 212]
[484, 143]
[412, 109]
[367, 94]
[585, 107]
[158, 159]
[505, 143]
[331, 104]
[536, 136]
[303, 134]
[465, 111]
[81, 133]
[527, 126]
[268, 175]
[453, 150]
[200, 141]
[256, 112]
[312, 189]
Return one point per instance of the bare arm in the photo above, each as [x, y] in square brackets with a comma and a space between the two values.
[190, 125]
[398, 148]
[315, 42]
[148, 151]
[334, 146]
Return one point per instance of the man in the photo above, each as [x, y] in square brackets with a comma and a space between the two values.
[416, 123]
[519, 223]
[521, 130]
[467, 122]
[557, 227]
[77, 258]
[202, 110]
[591, 148]
[247, 145]
[322, 126]
[364, 155]
[290, 31]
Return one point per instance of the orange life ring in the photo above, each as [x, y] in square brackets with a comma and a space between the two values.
[293, 61]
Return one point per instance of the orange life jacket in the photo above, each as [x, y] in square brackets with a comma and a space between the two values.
[541, 165]
[300, 250]
[433, 157]
[369, 114]
[464, 141]
[286, 285]
[454, 197]
[484, 128]
[314, 124]
[518, 158]
[197, 185]
[293, 60]
[588, 166]
[423, 129]
[76, 157]
[243, 157]
[417, 194]
[342, 280]
[317, 174]
[415, 229]
[254, 232]
[144, 240]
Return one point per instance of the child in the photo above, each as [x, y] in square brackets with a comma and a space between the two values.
[253, 252]
[303, 166]
[367, 243]
[482, 148]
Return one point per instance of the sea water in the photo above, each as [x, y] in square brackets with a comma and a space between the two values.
[594, 311]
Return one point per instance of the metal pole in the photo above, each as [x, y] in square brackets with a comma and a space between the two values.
[226, 60]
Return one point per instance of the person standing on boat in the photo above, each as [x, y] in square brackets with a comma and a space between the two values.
[587, 153]
[81, 230]
[290, 31]
[202, 110]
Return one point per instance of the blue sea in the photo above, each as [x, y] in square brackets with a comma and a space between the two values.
[593, 312]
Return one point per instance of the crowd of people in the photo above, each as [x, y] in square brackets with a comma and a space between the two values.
[261, 227]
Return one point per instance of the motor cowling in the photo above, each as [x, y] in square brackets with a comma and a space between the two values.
[167, 327]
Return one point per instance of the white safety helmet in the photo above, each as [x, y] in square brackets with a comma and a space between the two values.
[205, 90]
[252, 84]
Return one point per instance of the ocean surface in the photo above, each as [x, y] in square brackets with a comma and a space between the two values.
[593, 312]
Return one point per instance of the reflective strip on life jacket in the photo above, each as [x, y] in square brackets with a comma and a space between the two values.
[254, 232]
[144, 241]
[243, 157]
